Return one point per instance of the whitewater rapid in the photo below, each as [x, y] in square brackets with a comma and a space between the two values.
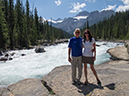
[37, 65]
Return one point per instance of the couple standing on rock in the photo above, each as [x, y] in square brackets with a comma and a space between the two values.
[76, 57]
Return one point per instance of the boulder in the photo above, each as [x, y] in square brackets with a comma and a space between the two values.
[23, 54]
[119, 53]
[10, 58]
[97, 45]
[6, 55]
[55, 73]
[61, 41]
[127, 46]
[3, 59]
[39, 50]
[2, 90]
[12, 54]
[45, 44]
[26, 87]
[104, 44]
[1, 53]
[7, 93]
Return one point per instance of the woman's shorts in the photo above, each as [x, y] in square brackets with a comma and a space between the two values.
[89, 60]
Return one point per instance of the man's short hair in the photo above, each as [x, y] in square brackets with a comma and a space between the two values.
[77, 29]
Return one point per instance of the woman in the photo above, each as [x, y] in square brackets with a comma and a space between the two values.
[88, 57]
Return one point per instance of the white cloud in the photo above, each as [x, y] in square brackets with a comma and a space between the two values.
[91, 0]
[126, 2]
[58, 2]
[123, 7]
[109, 8]
[77, 7]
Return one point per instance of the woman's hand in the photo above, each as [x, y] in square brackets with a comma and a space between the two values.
[94, 58]
[93, 50]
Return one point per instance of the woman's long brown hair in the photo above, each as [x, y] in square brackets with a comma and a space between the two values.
[90, 35]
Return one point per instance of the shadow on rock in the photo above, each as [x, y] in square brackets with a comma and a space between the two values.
[110, 86]
[86, 89]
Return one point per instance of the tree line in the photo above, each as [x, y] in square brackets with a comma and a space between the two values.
[20, 27]
[115, 27]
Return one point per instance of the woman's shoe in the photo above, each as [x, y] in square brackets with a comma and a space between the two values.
[98, 82]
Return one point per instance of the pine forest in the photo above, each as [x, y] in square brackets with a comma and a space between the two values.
[20, 27]
[114, 28]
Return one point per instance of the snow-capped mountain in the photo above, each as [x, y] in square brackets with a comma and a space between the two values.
[56, 21]
[69, 24]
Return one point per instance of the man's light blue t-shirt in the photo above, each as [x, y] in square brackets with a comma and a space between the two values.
[76, 45]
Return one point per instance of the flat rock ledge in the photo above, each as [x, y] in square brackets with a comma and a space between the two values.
[26, 87]
[113, 75]
[119, 53]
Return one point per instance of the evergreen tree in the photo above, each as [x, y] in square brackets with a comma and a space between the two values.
[11, 23]
[47, 31]
[3, 28]
[6, 8]
[36, 24]
[18, 27]
[41, 28]
[87, 27]
[27, 25]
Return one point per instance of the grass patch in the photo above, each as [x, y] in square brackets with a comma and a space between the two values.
[48, 88]
[126, 45]
[51, 92]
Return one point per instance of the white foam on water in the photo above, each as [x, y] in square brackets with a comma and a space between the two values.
[36, 65]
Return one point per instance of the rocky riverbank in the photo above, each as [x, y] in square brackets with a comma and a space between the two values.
[113, 75]
[6, 55]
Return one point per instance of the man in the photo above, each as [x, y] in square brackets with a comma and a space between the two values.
[75, 49]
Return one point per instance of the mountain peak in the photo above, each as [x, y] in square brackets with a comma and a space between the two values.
[69, 24]
[83, 13]
[58, 19]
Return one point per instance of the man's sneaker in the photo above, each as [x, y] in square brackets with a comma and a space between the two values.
[78, 82]
[74, 82]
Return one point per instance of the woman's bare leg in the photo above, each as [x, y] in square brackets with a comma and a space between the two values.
[85, 71]
[94, 72]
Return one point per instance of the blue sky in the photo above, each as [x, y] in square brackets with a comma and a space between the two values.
[68, 8]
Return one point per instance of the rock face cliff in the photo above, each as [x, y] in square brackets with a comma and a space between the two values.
[113, 75]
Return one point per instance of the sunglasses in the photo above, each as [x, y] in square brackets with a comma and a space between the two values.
[86, 33]
[77, 32]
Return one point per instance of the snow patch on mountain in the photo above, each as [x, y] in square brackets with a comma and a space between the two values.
[54, 21]
[80, 17]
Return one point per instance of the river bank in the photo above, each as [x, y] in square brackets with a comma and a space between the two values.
[6, 55]
[59, 82]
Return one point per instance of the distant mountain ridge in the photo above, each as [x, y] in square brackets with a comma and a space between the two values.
[69, 24]
[83, 13]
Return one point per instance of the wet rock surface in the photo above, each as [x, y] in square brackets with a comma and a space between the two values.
[119, 53]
